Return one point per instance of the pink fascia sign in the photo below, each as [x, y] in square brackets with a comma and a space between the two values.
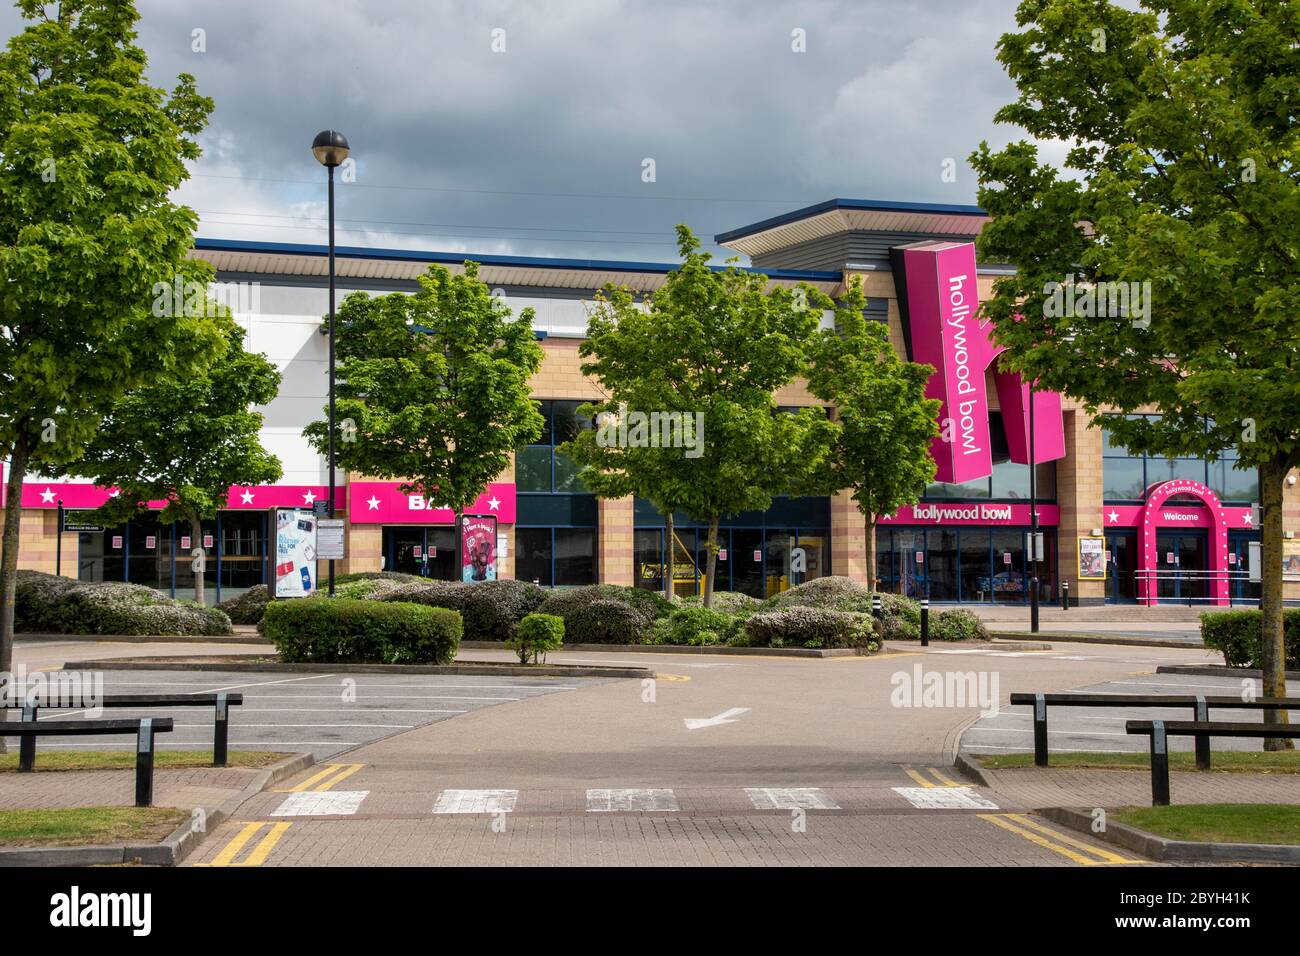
[382, 502]
[942, 304]
[973, 514]
[82, 496]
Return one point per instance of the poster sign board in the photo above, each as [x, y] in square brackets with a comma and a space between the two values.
[329, 539]
[1092, 559]
[478, 548]
[295, 553]
[1290, 561]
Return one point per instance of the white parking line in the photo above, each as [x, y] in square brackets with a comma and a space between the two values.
[321, 803]
[476, 801]
[624, 801]
[790, 798]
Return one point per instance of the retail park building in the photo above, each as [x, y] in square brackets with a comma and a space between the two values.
[1117, 527]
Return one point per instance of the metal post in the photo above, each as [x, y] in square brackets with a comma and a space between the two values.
[1033, 519]
[925, 622]
[144, 764]
[58, 544]
[877, 606]
[1065, 594]
[1202, 740]
[27, 744]
[221, 732]
[1040, 730]
[331, 370]
[1159, 765]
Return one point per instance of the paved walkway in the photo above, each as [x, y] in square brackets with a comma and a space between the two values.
[199, 787]
[1051, 787]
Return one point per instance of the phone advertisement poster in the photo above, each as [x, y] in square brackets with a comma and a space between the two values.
[478, 548]
[295, 553]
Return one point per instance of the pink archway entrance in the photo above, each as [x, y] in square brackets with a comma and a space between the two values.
[1153, 518]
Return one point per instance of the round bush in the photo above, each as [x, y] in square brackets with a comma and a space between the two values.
[605, 622]
[344, 631]
[956, 624]
[651, 604]
[45, 603]
[805, 626]
[697, 627]
[834, 593]
[247, 608]
[536, 635]
[491, 610]
[733, 602]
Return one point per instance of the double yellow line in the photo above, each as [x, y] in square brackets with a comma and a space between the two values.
[318, 783]
[944, 779]
[1067, 846]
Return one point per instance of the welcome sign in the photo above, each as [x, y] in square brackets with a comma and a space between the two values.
[941, 312]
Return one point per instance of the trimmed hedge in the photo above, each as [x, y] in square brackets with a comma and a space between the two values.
[606, 622]
[1235, 634]
[733, 602]
[697, 627]
[345, 631]
[956, 624]
[247, 608]
[652, 605]
[491, 610]
[45, 603]
[806, 626]
[536, 635]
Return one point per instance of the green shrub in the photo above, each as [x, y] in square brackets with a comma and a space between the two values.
[956, 624]
[353, 576]
[651, 604]
[697, 627]
[732, 602]
[45, 603]
[805, 626]
[605, 622]
[368, 588]
[345, 631]
[536, 635]
[491, 610]
[247, 608]
[1235, 634]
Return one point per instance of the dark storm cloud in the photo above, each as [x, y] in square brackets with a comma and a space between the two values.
[550, 134]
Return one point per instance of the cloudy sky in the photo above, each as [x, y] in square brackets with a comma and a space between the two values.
[539, 148]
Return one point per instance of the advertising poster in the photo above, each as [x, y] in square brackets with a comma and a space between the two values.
[1092, 558]
[478, 548]
[1291, 560]
[295, 553]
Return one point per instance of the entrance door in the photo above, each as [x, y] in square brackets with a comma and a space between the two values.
[1241, 589]
[1181, 563]
[1122, 570]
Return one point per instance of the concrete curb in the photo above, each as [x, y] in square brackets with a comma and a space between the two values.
[1125, 640]
[174, 847]
[482, 669]
[1160, 848]
[1216, 670]
[971, 769]
[686, 649]
[140, 639]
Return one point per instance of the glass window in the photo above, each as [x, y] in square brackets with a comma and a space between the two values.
[533, 555]
[1123, 479]
[649, 559]
[777, 553]
[979, 488]
[941, 563]
[1169, 469]
[1232, 483]
[1009, 565]
[1010, 480]
[575, 556]
[746, 573]
[976, 582]
[566, 475]
[533, 468]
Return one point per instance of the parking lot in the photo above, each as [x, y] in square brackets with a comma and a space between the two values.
[323, 714]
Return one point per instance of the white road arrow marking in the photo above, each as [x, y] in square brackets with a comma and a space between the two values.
[726, 717]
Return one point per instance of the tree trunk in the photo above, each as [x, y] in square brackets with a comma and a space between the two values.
[713, 561]
[9, 565]
[870, 524]
[670, 531]
[1272, 663]
[200, 563]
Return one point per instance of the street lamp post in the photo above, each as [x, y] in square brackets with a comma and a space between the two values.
[1033, 519]
[330, 148]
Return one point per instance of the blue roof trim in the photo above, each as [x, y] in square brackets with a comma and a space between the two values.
[456, 258]
[879, 205]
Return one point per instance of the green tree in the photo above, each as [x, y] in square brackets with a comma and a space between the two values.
[622, 337]
[210, 441]
[717, 344]
[91, 154]
[1182, 171]
[433, 387]
[883, 423]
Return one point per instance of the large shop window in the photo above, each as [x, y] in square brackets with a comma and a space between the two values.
[965, 565]
[158, 556]
[761, 553]
[1127, 476]
[426, 550]
[555, 539]
[539, 468]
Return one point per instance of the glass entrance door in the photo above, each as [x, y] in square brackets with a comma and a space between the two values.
[1181, 563]
[1121, 571]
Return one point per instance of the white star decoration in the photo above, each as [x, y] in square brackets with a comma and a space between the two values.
[373, 502]
[1113, 516]
[247, 496]
[47, 496]
[309, 497]
[493, 503]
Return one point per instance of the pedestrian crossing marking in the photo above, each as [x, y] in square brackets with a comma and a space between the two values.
[321, 803]
[627, 801]
[476, 801]
[790, 798]
[944, 798]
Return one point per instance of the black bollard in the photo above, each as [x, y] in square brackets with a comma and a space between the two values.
[925, 622]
